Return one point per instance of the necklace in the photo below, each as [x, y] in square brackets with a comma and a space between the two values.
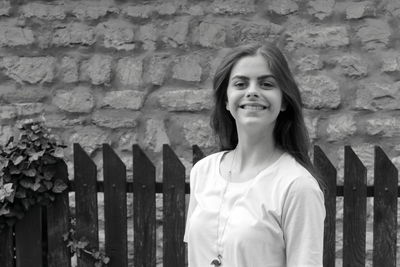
[218, 261]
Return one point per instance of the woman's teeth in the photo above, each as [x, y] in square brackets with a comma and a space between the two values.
[253, 107]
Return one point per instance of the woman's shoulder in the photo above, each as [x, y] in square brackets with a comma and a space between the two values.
[296, 175]
[208, 161]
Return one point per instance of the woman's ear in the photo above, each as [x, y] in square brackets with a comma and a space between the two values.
[226, 105]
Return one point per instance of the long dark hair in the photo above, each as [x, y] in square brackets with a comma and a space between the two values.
[290, 133]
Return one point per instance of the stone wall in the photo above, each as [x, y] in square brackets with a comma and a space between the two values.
[124, 72]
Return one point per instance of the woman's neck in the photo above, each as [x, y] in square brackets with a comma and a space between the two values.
[254, 150]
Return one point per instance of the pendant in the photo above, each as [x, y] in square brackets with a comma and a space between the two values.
[217, 262]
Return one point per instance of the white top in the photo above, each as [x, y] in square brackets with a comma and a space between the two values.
[275, 219]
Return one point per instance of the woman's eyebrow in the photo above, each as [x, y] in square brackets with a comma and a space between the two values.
[266, 77]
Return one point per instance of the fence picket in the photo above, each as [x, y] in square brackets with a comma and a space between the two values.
[197, 154]
[385, 210]
[144, 209]
[173, 208]
[115, 223]
[85, 176]
[28, 238]
[7, 247]
[58, 224]
[325, 167]
[354, 223]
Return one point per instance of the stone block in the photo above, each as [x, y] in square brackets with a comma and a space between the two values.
[5, 7]
[89, 137]
[117, 34]
[197, 131]
[73, 34]
[148, 35]
[97, 69]
[309, 62]
[155, 135]
[317, 37]
[319, 91]
[175, 33]
[210, 34]
[375, 96]
[26, 109]
[186, 100]
[392, 7]
[139, 11]
[6, 131]
[232, 7]
[128, 99]
[10, 93]
[321, 8]
[358, 10]
[69, 70]
[312, 126]
[80, 100]
[63, 121]
[157, 69]
[115, 119]
[167, 9]
[244, 32]
[127, 139]
[384, 125]
[187, 68]
[340, 127]
[391, 63]
[11, 36]
[352, 65]
[43, 11]
[8, 112]
[30, 69]
[129, 71]
[283, 7]
[91, 10]
[374, 34]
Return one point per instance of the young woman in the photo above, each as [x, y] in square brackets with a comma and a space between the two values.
[258, 202]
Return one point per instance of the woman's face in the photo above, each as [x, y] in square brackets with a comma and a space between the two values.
[254, 98]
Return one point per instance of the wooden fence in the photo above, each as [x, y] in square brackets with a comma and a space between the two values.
[36, 240]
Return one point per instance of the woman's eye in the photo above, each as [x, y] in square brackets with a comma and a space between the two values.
[267, 84]
[240, 84]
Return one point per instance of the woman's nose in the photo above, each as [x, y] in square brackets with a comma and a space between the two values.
[252, 91]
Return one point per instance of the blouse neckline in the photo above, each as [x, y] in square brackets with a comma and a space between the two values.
[270, 167]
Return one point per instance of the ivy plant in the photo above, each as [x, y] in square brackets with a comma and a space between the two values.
[27, 171]
[79, 246]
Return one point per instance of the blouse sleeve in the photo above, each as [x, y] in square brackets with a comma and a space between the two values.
[303, 223]
[192, 205]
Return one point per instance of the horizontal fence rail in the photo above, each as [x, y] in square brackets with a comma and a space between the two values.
[37, 240]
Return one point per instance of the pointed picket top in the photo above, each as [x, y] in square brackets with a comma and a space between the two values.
[385, 210]
[329, 175]
[115, 214]
[197, 154]
[85, 181]
[173, 209]
[144, 208]
[354, 223]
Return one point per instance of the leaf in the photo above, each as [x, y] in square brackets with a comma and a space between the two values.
[26, 183]
[21, 193]
[29, 172]
[59, 186]
[36, 186]
[14, 170]
[48, 184]
[49, 172]
[4, 210]
[36, 155]
[6, 190]
[106, 260]
[18, 160]
[58, 152]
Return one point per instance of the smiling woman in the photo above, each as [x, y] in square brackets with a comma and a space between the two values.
[258, 202]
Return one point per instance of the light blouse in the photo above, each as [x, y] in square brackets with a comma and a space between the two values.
[275, 219]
